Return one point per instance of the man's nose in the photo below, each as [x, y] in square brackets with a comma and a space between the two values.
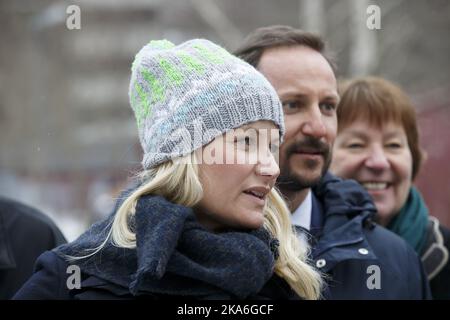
[313, 123]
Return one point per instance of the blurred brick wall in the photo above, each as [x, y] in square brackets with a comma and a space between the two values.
[434, 177]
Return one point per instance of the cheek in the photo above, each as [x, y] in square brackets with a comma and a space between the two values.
[282, 151]
[344, 164]
[406, 166]
[225, 180]
[401, 194]
[331, 126]
[291, 125]
[403, 168]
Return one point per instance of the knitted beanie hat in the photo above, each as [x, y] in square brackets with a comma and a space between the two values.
[184, 96]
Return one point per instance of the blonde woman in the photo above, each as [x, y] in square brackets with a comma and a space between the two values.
[204, 220]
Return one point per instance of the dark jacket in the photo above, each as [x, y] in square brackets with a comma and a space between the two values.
[25, 233]
[49, 282]
[362, 259]
[435, 259]
[174, 257]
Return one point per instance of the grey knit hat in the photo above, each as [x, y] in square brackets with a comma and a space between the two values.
[184, 96]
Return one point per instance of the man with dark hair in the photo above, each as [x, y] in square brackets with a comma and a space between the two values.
[362, 259]
[25, 233]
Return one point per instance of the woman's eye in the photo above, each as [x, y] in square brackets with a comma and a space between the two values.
[244, 141]
[394, 145]
[354, 145]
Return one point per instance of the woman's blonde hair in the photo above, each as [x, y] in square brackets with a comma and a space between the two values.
[178, 181]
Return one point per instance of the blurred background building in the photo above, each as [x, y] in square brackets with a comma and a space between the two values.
[68, 139]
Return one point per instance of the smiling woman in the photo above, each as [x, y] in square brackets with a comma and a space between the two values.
[379, 158]
[192, 229]
[378, 146]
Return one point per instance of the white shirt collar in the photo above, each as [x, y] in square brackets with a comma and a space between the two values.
[302, 215]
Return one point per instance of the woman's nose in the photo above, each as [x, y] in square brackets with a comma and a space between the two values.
[377, 159]
[268, 166]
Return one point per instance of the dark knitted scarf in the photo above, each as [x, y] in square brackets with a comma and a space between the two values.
[175, 255]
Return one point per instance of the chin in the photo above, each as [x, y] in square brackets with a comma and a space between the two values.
[308, 179]
[307, 173]
[254, 226]
[383, 216]
[255, 222]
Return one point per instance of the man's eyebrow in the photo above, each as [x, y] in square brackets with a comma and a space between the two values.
[293, 95]
[332, 96]
[296, 95]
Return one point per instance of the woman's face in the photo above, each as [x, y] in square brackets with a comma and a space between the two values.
[237, 182]
[379, 159]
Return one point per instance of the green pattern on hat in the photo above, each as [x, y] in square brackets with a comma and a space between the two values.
[141, 109]
[191, 62]
[156, 88]
[171, 71]
[217, 57]
[161, 44]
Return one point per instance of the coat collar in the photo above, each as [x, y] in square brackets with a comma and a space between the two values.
[347, 211]
[435, 255]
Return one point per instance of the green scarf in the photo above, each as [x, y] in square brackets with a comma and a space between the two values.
[412, 220]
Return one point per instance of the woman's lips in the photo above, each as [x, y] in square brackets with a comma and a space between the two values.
[376, 188]
[258, 199]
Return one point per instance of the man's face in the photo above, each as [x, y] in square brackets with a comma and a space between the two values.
[307, 89]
